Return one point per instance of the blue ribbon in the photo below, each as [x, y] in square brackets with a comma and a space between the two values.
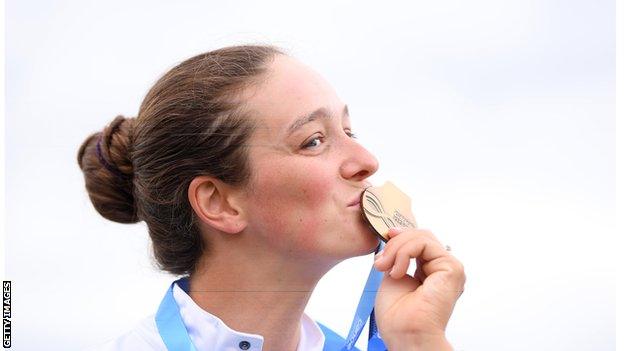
[175, 336]
[170, 324]
[365, 310]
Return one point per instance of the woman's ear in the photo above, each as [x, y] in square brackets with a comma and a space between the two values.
[217, 204]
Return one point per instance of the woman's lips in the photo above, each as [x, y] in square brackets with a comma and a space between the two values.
[358, 198]
[354, 202]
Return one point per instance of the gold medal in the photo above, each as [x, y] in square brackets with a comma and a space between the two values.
[385, 207]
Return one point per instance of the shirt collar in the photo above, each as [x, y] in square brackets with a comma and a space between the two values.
[209, 332]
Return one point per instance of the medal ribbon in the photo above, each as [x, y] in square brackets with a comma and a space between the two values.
[366, 310]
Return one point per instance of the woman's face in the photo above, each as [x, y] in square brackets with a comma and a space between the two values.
[306, 172]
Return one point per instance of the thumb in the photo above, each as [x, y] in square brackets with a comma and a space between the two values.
[391, 290]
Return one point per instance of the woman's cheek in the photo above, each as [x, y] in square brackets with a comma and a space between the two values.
[302, 226]
[293, 203]
[309, 233]
[315, 185]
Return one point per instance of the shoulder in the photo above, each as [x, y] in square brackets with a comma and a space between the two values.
[144, 336]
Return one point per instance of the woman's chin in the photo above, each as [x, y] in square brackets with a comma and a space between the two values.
[373, 246]
[367, 244]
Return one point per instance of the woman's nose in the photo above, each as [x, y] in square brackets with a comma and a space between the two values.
[359, 163]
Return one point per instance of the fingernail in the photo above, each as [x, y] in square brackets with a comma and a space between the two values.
[379, 255]
[392, 270]
[397, 229]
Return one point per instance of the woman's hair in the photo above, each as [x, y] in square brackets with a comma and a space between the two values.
[192, 122]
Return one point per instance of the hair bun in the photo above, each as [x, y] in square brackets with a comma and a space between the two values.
[106, 162]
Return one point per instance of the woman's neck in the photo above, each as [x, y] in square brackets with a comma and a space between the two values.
[266, 295]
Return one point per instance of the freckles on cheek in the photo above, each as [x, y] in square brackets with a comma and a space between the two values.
[296, 187]
[314, 194]
[294, 206]
[313, 186]
[313, 206]
[313, 215]
[309, 232]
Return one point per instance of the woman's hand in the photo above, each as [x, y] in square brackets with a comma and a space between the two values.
[412, 312]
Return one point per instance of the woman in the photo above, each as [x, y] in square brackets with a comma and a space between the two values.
[243, 163]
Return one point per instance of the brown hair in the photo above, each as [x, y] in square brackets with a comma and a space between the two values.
[192, 122]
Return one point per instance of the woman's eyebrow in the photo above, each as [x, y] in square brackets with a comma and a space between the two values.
[321, 112]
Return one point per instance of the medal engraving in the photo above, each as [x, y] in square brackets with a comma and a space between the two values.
[385, 207]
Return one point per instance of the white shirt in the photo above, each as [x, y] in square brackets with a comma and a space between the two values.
[207, 332]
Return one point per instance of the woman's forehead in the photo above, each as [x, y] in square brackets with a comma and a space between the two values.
[290, 90]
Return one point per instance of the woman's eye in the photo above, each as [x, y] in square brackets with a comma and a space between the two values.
[316, 141]
[311, 143]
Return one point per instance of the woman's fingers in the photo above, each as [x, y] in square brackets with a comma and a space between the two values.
[420, 304]
[407, 244]
[402, 260]
[385, 259]
[429, 250]
[420, 275]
